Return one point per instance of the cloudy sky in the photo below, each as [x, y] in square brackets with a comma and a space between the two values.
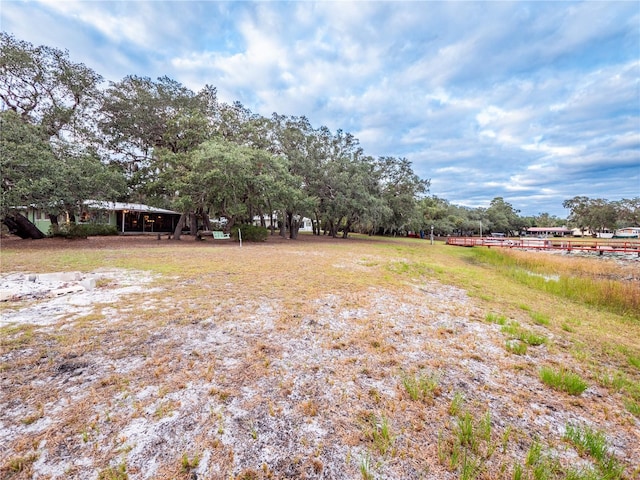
[534, 102]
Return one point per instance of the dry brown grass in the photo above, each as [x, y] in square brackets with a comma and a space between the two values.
[283, 360]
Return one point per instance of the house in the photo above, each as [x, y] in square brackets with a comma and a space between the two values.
[306, 224]
[627, 232]
[548, 231]
[130, 217]
[127, 217]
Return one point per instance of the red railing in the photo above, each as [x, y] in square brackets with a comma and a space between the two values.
[596, 246]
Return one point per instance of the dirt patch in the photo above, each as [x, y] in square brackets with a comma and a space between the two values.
[125, 377]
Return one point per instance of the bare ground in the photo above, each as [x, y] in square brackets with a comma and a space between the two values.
[257, 382]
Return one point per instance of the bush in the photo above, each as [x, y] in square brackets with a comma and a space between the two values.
[250, 233]
[84, 230]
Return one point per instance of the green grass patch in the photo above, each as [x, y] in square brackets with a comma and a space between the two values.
[539, 318]
[517, 332]
[377, 429]
[516, 346]
[563, 380]
[593, 443]
[495, 318]
[422, 386]
[587, 441]
[118, 472]
[634, 360]
[615, 296]
[633, 407]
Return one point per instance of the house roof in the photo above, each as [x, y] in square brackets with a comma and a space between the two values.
[132, 207]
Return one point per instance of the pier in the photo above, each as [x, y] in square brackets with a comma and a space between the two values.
[598, 246]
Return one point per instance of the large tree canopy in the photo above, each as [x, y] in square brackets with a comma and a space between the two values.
[52, 176]
[28, 164]
[43, 86]
[140, 116]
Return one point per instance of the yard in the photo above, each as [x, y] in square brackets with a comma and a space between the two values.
[314, 358]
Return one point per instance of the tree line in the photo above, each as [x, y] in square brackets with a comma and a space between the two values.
[65, 139]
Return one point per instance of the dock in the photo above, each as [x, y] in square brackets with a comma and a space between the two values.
[598, 246]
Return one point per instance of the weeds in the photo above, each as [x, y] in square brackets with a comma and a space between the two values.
[516, 332]
[594, 443]
[19, 464]
[421, 387]
[470, 467]
[539, 318]
[469, 445]
[189, 464]
[378, 431]
[563, 380]
[582, 284]
[633, 407]
[494, 318]
[587, 441]
[539, 463]
[118, 472]
[456, 404]
[465, 431]
[516, 346]
[366, 470]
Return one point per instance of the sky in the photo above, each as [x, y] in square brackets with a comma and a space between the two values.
[534, 102]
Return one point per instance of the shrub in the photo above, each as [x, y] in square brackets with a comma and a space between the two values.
[83, 230]
[250, 233]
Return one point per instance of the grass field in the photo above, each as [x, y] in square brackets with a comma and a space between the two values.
[321, 358]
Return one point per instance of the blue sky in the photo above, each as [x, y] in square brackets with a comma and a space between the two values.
[536, 102]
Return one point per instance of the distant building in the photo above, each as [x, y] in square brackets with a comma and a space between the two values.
[130, 217]
[548, 231]
[306, 224]
[127, 217]
[628, 232]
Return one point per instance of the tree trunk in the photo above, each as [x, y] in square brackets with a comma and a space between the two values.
[333, 229]
[294, 226]
[347, 227]
[206, 222]
[21, 226]
[193, 227]
[283, 225]
[316, 225]
[178, 231]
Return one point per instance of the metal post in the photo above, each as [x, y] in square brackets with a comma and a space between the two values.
[431, 234]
